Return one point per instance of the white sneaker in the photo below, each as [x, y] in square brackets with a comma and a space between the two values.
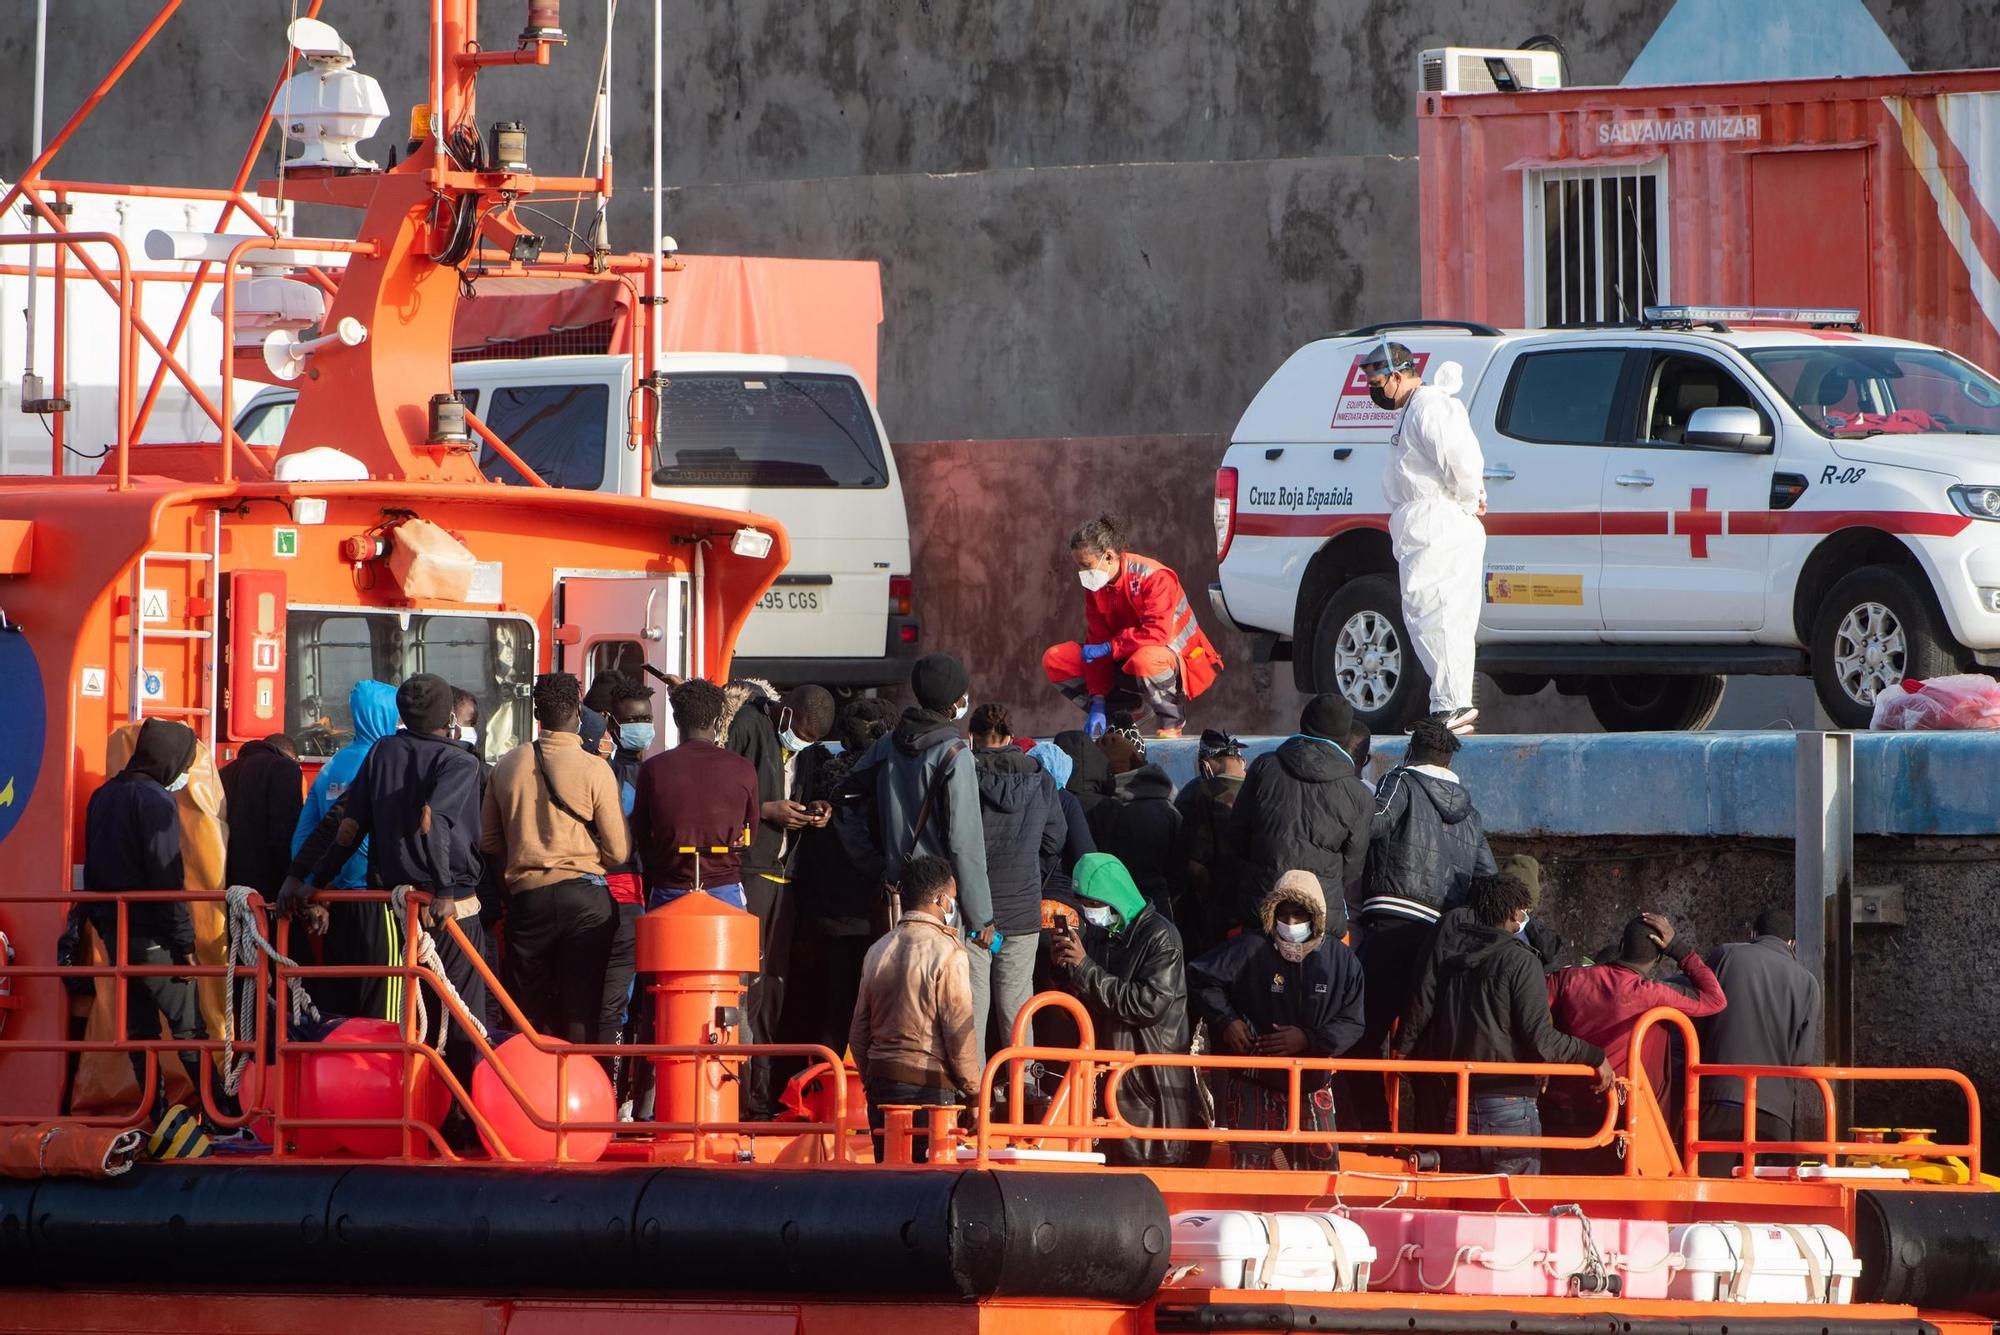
[1460, 721]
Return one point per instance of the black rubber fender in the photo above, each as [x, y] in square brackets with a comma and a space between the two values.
[1936, 1249]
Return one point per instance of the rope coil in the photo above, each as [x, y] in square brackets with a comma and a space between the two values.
[241, 1001]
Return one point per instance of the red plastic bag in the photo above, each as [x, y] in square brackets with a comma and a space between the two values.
[1942, 704]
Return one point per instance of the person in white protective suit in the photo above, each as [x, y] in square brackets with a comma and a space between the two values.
[1435, 486]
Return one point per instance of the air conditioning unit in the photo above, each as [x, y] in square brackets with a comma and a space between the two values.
[1473, 69]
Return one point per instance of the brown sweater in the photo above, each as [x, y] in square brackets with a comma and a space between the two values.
[913, 1021]
[540, 842]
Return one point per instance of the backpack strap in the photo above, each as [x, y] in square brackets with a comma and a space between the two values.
[937, 781]
[555, 796]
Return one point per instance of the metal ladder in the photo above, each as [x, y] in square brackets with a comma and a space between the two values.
[200, 714]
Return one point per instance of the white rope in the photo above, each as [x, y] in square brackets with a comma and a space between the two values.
[242, 1002]
[428, 957]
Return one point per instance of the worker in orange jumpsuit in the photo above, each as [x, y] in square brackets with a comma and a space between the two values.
[1143, 649]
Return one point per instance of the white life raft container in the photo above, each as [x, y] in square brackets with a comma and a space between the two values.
[1245, 1249]
[1764, 1263]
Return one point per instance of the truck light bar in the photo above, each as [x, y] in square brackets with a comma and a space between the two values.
[1818, 317]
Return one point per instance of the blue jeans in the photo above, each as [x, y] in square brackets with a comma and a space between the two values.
[1498, 1115]
[732, 894]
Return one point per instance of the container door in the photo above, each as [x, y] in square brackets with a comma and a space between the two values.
[630, 623]
[1673, 560]
[1823, 265]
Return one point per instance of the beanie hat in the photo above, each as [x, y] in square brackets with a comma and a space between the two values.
[939, 682]
[1528, 872]
[1328, 717]
[424, 701]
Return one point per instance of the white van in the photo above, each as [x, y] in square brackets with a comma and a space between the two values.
[791, 437]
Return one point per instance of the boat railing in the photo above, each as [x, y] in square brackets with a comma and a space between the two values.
[1746, 1146]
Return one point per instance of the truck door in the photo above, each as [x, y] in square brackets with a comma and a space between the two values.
[1673, 560]
[627, 623]
[1544, 463]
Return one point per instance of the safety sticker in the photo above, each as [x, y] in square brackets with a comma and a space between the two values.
[1354, 407]
[1528, 589]
[93, 683]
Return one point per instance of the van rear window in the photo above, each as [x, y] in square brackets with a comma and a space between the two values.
[557, 430]
[777, 430]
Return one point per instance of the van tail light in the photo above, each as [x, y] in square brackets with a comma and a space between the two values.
[901, 589]
[907, 634]
[1225, 510]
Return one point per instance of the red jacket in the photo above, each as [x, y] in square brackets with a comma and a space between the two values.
[1146, 605]
[1600, 1003]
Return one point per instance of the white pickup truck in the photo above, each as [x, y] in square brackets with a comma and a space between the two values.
[1703, 495]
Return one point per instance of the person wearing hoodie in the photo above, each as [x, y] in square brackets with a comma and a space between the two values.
[925, 786]
[1291, 990]
[1126, 967]
[1302, 807]
[132, 842]
[1483, 1000]
[263, 793]
[1077, 838]
[1426, 845]
[1090, 781]
[356, 934]
[1143, 830]
[416, 803]
[1207, 869]
[1023, 827]
[1602, 1003]
[772, 732]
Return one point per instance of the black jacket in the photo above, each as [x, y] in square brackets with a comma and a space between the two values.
[1090, 774]
[1135, 986]
[263, 795]
[896, 773]
[1481, 997]
[132, 841]
[1023, 825]
[1426, 845]
[1301, 808]
[754, 736]
[1142, 829]
[837, 875]
[1077, 842]
[1246, 978]
[1772, 1019]
[1207, 866]
[405, 774]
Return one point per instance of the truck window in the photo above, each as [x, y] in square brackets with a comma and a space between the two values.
[1850, 392]
[1680, 386]
[557, 430]
[777, 430]
[329, 650]
[265, 423]
[1563, 398]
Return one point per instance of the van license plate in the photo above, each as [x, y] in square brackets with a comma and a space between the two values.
[790, 600]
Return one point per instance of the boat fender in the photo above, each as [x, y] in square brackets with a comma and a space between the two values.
[1932, 1249]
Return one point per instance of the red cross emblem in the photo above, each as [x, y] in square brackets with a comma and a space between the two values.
[1698, 523]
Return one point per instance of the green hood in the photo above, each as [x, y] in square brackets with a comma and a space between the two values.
[1103, 878]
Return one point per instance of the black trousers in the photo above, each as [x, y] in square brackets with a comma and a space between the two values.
[821, 987]
[764, 1003]
[152, 999]
[558, 942]
[362, 936]
[1391, 955]
[618, 1012]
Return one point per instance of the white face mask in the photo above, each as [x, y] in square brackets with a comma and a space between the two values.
[178, 784]
[961, 709]
[951, 915]
[1093, 580]
[1294, 932]
[1098, 915]
[468, 735]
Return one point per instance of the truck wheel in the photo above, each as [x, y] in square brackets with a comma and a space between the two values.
[1362, 651]
[1880, 625]
[1646, 703]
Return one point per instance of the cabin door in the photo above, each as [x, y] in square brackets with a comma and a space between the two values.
[635, 624]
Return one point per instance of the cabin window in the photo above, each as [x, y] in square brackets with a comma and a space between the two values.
[557, 430]
[1596, 244]
[330, 650]
[784, 429]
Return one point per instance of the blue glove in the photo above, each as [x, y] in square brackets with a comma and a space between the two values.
[1093, 652]
[1093, 718]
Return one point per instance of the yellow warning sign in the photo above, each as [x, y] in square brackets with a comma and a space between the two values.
[1526, 589]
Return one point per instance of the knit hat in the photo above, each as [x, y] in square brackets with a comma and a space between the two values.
[939, 682]
[1328, 717]
[1528, 871]
[424, 701]
[1124, 754]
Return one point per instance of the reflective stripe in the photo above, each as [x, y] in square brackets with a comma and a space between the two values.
[1184, 615]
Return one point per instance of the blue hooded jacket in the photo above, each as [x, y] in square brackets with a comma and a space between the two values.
[373, 705]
